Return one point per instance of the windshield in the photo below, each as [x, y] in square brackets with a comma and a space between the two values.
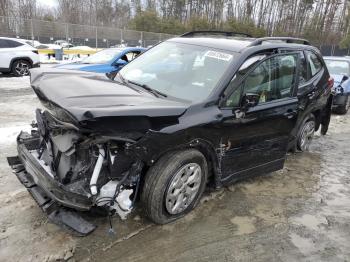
[183, 71]
[102, 57]
[338, 67]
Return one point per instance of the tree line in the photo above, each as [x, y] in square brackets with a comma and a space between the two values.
[320, 21]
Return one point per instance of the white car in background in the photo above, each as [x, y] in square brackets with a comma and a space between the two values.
[17, 57]
[63, 44]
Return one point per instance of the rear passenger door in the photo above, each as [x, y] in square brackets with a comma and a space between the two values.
[319, 79]
[309, 77]
[313, 85]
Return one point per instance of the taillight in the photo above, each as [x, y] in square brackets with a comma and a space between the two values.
[330, 82]
[35, 51]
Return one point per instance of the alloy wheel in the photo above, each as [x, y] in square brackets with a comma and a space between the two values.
[307, 134]
[22, 68]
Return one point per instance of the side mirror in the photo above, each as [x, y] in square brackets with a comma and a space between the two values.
[120, 62]
[249, 100]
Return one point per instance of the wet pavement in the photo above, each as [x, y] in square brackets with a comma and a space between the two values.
[301, 213]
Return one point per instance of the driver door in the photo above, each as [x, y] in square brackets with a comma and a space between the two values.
[255, 133]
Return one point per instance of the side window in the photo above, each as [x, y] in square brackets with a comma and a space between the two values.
[2, 43]
[15, 43]
[5, 43]
[303, 70]
[132, 55]
[314, 62]
[235, 98]
[271, 80]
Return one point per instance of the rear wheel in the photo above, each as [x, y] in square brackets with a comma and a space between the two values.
[21, 68]
[343, 109]
[174, 185]
[306, 133]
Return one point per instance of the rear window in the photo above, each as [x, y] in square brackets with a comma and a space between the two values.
[6, 43]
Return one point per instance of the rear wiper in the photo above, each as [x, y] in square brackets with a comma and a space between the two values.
[149, 89]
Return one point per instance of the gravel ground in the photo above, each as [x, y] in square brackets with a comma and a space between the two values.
[300, 213]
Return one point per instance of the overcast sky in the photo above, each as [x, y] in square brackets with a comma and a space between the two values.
[49, 3]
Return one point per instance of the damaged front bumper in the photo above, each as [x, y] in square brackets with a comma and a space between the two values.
[41, 177]
[51, 196]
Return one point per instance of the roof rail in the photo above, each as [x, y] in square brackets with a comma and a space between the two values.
[294, 40]
[214, 32]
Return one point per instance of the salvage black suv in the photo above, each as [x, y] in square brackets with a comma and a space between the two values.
[203, 108]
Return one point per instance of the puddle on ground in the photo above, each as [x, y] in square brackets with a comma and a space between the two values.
[310, 221]
[245, 225]
[305, 245]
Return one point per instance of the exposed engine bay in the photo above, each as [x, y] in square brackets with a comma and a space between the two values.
[87, 164]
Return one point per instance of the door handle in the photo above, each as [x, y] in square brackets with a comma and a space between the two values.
[290, 114]
[312, 95]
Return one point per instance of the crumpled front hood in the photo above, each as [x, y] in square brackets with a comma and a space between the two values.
[87, 95]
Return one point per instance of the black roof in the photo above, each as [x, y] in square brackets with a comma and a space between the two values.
[236, 43]
[214, 33]
[230, 44]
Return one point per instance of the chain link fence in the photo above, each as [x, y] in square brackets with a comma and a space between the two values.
[93, 36]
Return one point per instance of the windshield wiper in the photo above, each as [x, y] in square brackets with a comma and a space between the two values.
[147, 88]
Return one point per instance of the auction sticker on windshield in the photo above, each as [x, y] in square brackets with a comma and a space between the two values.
[218, 55]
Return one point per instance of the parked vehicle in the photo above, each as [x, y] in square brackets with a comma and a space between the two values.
[17, 57]
[108, 61]
[339, 68]
[63, 43]
[230, 111]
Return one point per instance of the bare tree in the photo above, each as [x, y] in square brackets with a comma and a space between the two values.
[319, 20]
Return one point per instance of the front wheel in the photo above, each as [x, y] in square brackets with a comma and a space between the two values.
[174, 185]
[306, 133]
[21, 68]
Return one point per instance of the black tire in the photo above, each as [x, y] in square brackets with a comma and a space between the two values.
[326, 119]
[324, 129]
[343, 109]
[21, 67]
[157, 183]
[304, 127]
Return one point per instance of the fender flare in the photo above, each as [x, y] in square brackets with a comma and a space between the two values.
[20, 58]
[211, 154]
[207, 148]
